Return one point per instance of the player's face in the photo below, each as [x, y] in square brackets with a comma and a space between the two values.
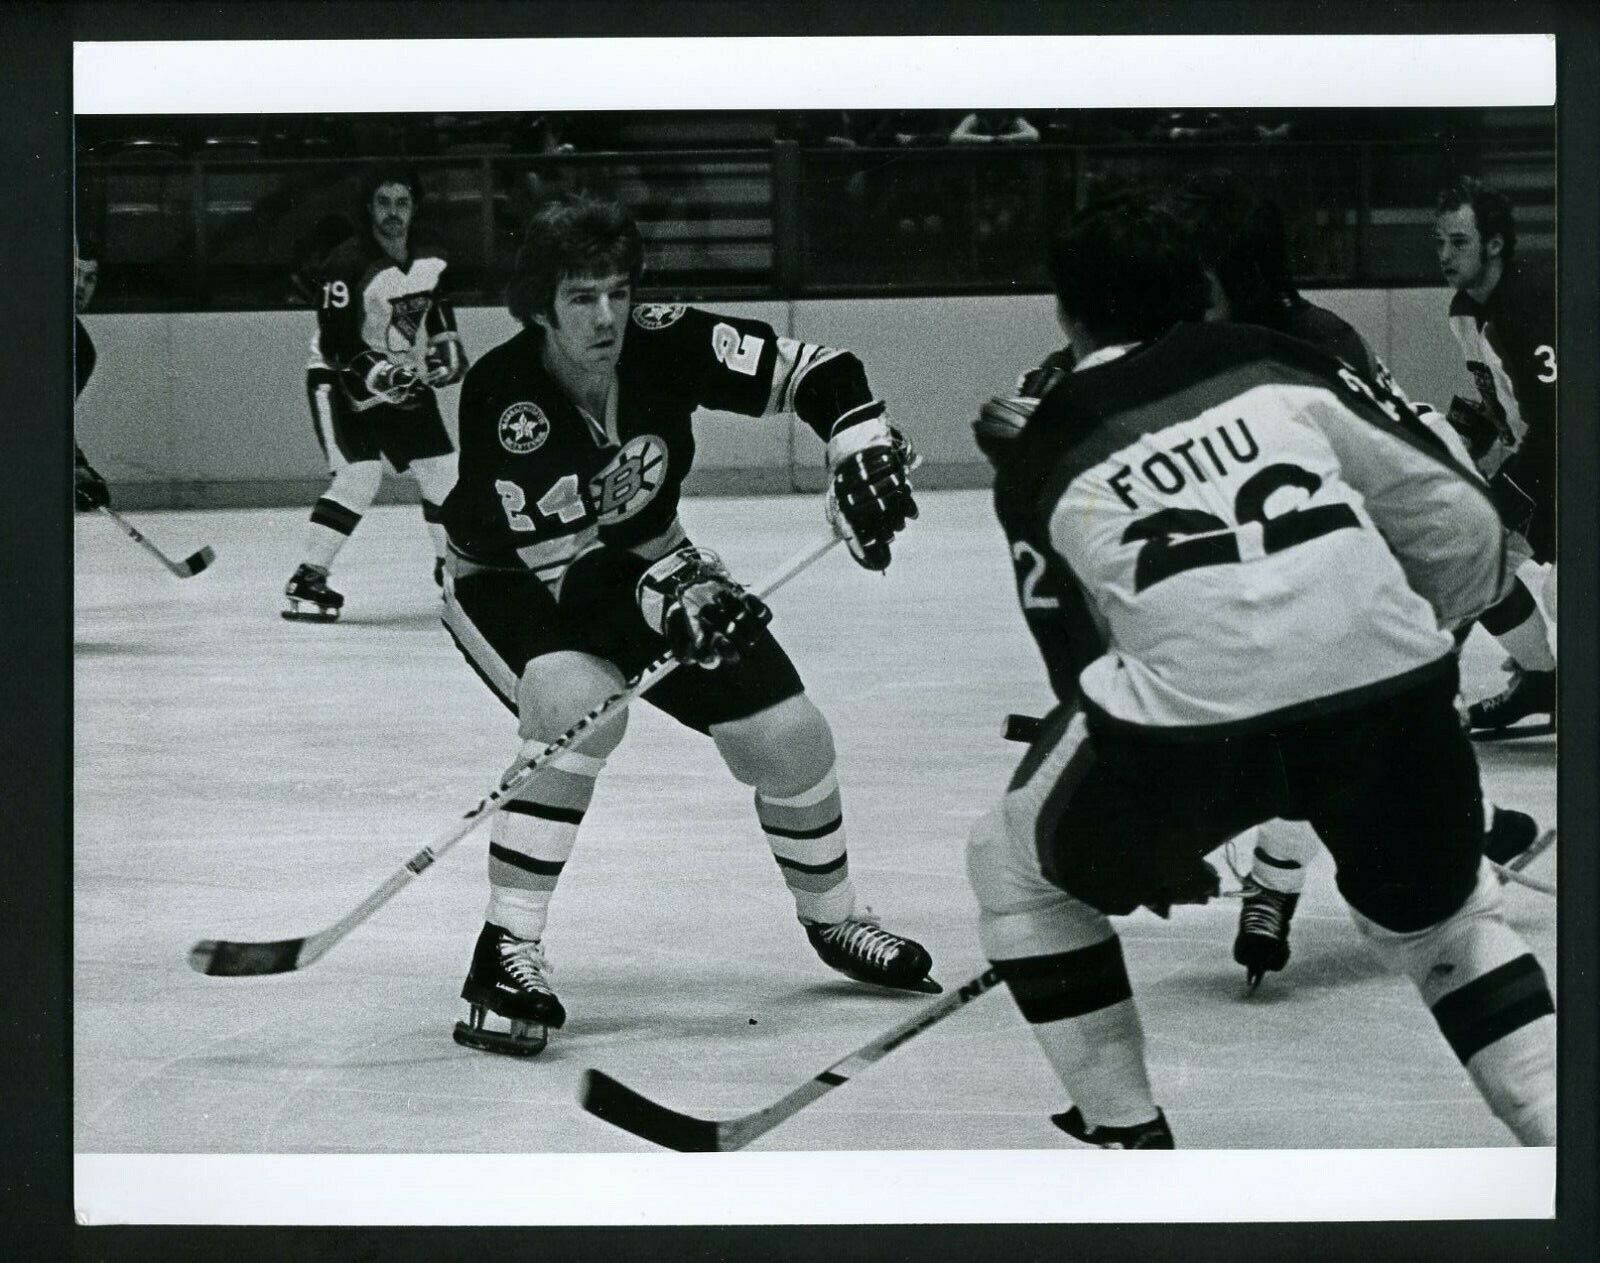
[392, 209]
[587, 320]
[86, 275]
[1463, 258]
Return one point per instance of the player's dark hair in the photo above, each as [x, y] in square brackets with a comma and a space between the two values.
[1490, 208]
[1240, 234]
[576, 234]
[388, 173]
[1126, 268]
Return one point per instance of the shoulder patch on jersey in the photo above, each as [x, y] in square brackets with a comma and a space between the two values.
[657, 315]
[523, 428]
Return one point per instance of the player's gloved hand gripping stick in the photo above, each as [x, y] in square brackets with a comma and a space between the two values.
[220, 957]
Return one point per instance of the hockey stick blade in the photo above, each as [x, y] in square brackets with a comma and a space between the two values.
[195, 562]
[616, 1103]
[223, 958]
[1489, 736]
[245, 960]
[190, 566]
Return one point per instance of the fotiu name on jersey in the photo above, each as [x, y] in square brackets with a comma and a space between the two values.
[1169, 471]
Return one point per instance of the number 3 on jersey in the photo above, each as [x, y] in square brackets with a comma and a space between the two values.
[562, 502]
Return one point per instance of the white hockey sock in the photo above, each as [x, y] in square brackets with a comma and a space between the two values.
[806, 834]
[1280, 852]
[1492, 1003]
[331, 526]
[531, 840]
[1080, 1008]
[1528, 643]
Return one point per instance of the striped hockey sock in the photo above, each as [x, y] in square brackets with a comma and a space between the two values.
[531, 840]
[1502, 1027]
[806, 833]
[1279, 857]
[1079, 1005]
[332, 524]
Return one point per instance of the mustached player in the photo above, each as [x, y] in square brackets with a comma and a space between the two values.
[570, 572]
[1256, 563]
[386, 340]
[1503, 318]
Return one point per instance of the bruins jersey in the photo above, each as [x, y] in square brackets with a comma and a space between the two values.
[540, 479]
[1225, 528]
[368, 304]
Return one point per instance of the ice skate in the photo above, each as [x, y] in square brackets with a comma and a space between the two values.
[858, 948]
[509, 979]
[1262, 945]
[1498, 718]
[1152, 1135]
[311, 600]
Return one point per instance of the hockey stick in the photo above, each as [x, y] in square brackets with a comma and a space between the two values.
[190, 566]
[222, 958]
[621, 1106]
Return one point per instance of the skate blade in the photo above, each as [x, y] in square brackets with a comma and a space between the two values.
[520, 1042]
[301, 616]
[1490, 735]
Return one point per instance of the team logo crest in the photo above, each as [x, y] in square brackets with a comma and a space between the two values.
[657, 315]
[405, 318]
[630, 481]
[523, 428]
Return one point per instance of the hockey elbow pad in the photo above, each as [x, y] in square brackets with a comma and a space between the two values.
[869, 488]
[705, 617]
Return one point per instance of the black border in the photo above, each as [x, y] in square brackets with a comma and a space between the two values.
[35, 1173]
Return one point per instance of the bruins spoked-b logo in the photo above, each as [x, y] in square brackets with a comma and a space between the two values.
[631, 479]
[657, 315]
[523, 428]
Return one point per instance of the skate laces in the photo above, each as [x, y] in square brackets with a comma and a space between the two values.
[524, 960]
[1263, 912]
[861, 937]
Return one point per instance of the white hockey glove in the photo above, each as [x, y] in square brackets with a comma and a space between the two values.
[869, 489]
[395, 383]
[706, 618]
[446, 360]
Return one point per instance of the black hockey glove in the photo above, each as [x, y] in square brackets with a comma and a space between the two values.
[869, 495]
[1475, 426]
[89, 490]
[706, 618]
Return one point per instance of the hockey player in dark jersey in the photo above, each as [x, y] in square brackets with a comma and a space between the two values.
[570, 571]
[1503, 317]
[1239, 233]
[1240, 568]
[89, 490]
[386, 340]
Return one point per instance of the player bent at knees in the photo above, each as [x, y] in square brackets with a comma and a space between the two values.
[784, 752]
[1062, 962]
